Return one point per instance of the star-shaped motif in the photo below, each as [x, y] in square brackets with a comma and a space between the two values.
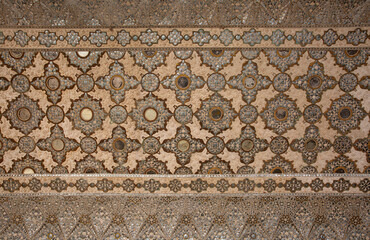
[216, 114]
[277, 165]
[345, 113]
[247, 145]
[249, 82]
[150, 114]
[86, 114]
[57, 144]
[315, 82]
[311, 144]
[151, 165]
[117, 82]
[119, 145]
[6, 144]
[24, 114]
[281, 113]
[53, 83]
[283, 59]
[84, 60]
[183, 145]
[183, 82]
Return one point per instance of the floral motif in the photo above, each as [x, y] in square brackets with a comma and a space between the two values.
[152, 185]
[226, 37]
[57, 144]
[330, 37]
[199, 185]
[293, 185]
[252, 37]
[89, 165]
[151, 165]
[175, 37]
[53, 83]
[303, 37]
[201, 37]
[341, 185]
[6, 144]
[82, 62]
[215, 165]
[277, 165]
[350, 59]
[18, 61]
[183, 145]
[314, 82]
[24, 114]
[149, 37]
[123, 38]
[277, 37]
[73, 38]
[98, 38]
[246, 185]
[47, 38]
[117, 82]
[217, 59]
[150, 114]
[104, 185]
[363, 145]
[119, 145]
[11, 185]
[21, 38]
[345, 113]
[341, 164]
[249, 82]
[149, 59]
[216, 114]
[247, 145]
[311, 144]
[28, 162]
[356, 37]
[183, 82]
[281, 113]
[86, 114]
[58, 185]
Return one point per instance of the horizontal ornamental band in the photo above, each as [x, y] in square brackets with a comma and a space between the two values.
[182, 184]
[64, 38]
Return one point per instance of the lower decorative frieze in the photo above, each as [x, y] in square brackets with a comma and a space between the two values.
[187, 184]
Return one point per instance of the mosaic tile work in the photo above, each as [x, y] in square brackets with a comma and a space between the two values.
[176, 111]
[185, 217]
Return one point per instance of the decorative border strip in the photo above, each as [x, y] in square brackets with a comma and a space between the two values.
[54, 38]
[184, 184]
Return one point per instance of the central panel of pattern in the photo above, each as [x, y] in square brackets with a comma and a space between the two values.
[211, 111]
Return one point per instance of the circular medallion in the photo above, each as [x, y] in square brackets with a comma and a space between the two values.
[24, 114]
[216, 82]
[311, 145]
[55, 114]
[151, 145]
[340, 170]
[28, 170]
[86, 114]
[283, 53]
[279, 145]
[345, 113]
[50, 55]
[88, 145]
[247, 145]
[83, 54]
[57, 144]
[150, 114]
[216, 113]
[217, 52]
[52, 83]
[183, 114]
[16, 54]
[116, 55]
[215, 145]
[117, 82]
[314, 82]
[118, 114]
[149, 53]
[183, 82]
[312, 113]
[150, 82]
[119, 144]
[20, 83]
[342, 144]
[183, 54]
[282, 82]
[183, 145]
[348, 82]
[277, 170]
[248, 114]
[214, 170]
[85, 83]
[249, 82]
[26, 144]
[281, 113]
[352, 53]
